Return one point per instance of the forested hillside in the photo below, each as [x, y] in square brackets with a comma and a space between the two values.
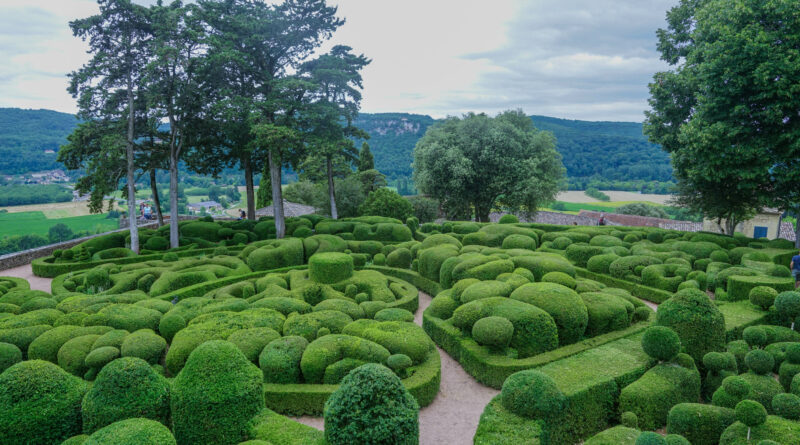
[608, 152]
[26, 136]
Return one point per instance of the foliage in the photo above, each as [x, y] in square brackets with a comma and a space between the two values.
[385, 202]
[642, 209]
[698, 322]
[731, 152]
[13, 195]
[661, 343]
[481, 161]
[532, 394]
[387, 415]
[425, 209]
[596, 194]
[136, 431]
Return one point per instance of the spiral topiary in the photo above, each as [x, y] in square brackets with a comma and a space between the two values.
[371, 406]
[661, 343]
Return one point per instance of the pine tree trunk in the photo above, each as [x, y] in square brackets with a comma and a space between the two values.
[156, 200]
[249, 189]
[132, 223]
[174, 235]
[331, 192]
[277, 194]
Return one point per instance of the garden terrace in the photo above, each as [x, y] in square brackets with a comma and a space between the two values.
[279, 325]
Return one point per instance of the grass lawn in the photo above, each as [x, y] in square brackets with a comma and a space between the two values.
[23, 223]
[575, 207]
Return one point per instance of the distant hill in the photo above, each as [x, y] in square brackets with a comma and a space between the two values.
[615, 151]
[29, 139]
[612, 150]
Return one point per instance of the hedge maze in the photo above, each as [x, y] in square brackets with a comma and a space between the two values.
[215, 341]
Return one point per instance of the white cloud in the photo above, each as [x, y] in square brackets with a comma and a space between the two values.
[580, 59]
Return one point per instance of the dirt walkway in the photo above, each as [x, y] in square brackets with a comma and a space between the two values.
[26, 272]
[453, 416]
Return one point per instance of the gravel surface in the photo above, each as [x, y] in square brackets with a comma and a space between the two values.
[453, 416]
[26, 272]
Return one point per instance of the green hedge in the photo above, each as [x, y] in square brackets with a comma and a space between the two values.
[492, 369]
[739, 286]
[309, 399]
[700, 424]
[637, 290]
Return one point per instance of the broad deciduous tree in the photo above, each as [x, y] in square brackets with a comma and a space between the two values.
[478, 161]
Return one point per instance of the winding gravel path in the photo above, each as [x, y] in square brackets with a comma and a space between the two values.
[453, 416]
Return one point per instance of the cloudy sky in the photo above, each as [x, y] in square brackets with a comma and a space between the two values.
[576, 59]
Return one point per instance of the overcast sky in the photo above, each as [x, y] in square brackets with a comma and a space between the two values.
[576, 59]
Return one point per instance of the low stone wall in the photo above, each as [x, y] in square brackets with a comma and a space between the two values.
[26, 256]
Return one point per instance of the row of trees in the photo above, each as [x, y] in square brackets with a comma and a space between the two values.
[727, 111]
[213, 84]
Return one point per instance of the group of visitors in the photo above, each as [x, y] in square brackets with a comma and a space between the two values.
[146, 211]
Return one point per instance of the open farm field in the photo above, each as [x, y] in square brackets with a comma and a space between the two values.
[54, 210]
[618, 198]
[39, 222]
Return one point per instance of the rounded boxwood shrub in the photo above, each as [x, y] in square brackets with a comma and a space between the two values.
[763, 296]
[494, 332]
[280, 359]
[641, 313]
[560, 278]
[72, 355]
[629, 419]
[787, 406]
[661, 343]
[39, 403]
[400, 258]
[650, 438]
[252, 341]
[519, 241]
[145, 344]
[394, 314]
[399, 363]
[216, 395]
[9, 355]
[755, 336]
[330, 267]
[508, 218]
[750, 413]
[674, 439]
[101, 356]
[790, 366]
[532, 394]
[371, 406]
[132, 432]
[759, 361]
[700, 424]
[156, 243]
[125, 388]
[563, 304]
[697, 321]
[170, 324]
[787, 304]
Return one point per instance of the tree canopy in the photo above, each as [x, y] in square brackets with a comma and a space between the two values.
[479, 162]
[727, 110]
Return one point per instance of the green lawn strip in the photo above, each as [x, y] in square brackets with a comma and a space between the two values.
[35, 223]
[591, 381]
[280, 430]
[739, 315]
[309, 399]
[492, 369]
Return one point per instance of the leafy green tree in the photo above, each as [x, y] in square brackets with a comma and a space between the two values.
[642, 209]
[337, 76]
[104, 86]
[59, 232]
[482, 161]
[256, 51]
[385, 202]
[365, 159]
[725, 111]
[172, 80]
[371, 180]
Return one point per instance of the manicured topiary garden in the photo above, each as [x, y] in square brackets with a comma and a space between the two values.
[214, 341]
